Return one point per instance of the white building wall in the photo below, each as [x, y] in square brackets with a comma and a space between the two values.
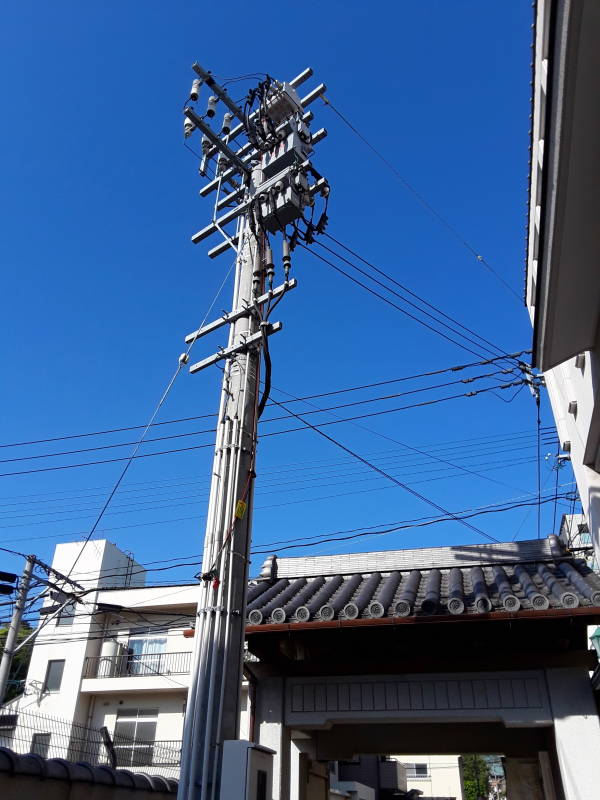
[576, 382]
[443, 779]
[578, 378]
[164, 611]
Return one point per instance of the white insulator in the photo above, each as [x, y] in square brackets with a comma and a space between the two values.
[195, 90]
[212, 106]
[188, 128]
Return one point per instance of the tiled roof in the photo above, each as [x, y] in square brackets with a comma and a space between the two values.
[35, 766]
[501, 578]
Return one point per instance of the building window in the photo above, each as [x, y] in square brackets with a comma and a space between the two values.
[417, 771]
[134, 737]
[67, 615]
[145, 655]
[40, 744]
[54, 673]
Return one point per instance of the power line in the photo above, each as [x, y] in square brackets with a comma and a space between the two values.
[430, 373]
[422, 200]
[335, 536]
[153, 484]
[450, 518]
[486, 343]
[380, 471]
[388, 301]
[37, 456]
[264, 489]
[196, 518]
[273, 433]
[183, 359]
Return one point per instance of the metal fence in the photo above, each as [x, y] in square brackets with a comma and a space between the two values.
[51, 737]
[131, 665]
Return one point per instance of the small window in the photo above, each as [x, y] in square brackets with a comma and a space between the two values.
[67, 615]
[417, 771]
[54, 673]
[40, 744]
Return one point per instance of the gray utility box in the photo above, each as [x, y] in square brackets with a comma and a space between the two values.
[247, 771]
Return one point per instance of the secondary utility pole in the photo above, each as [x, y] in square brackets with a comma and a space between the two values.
[63, 597]
[265, 185]
[15, 624]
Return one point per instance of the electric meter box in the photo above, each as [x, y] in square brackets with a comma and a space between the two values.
[246, 771]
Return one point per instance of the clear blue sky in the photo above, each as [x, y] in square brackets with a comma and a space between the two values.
[101, 281]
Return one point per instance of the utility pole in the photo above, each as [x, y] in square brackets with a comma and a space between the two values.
[15, 624]
[64, 599]
[265, 185]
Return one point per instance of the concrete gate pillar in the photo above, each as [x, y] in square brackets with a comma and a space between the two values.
[271, 732]
[523, 780]
[576, 731]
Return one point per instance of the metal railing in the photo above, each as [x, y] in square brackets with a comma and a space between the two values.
[135, 666]
[161, 753]
[50, 737]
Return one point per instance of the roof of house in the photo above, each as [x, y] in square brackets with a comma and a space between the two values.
[450, 581]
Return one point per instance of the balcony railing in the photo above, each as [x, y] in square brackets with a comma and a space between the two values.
[162, 753]
[135, 666]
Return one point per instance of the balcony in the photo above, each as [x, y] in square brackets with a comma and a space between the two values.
[135, 666]
[128, 671]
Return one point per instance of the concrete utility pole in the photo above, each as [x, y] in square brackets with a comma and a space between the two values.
[15, 624]
[266, 185]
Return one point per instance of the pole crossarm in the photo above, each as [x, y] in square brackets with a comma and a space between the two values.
[218, 143]
[243, 347]
[233, 316]
[219, 91]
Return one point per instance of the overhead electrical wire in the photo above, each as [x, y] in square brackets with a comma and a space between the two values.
[388, 301]
[343, 535]
[265, 435]
[264, 489]
[196, 518]
[425, 203]
[484, 343]
[481, 442]
[369, 464]
[113, 445]
[404, 378]
[183, 359]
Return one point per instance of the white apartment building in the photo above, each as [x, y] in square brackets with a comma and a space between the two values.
[563, 252]
[433, 776]
[121, 659]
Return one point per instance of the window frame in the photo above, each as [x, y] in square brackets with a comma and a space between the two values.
[45, 687]
[412, 773]
[67, 615]
[130, 750]
[44, 738]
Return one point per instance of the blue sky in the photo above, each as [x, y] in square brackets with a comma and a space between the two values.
[101, 282]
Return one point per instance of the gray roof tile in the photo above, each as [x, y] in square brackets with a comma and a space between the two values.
[473, 579]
